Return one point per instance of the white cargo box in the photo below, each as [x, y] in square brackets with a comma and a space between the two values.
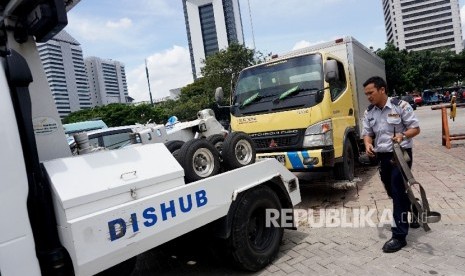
[87, 184]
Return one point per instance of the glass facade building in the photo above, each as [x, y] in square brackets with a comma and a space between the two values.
[423, 24]
[107, 81]
[211, 25]
[70, 90]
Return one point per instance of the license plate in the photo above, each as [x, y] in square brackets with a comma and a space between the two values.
[280, 158]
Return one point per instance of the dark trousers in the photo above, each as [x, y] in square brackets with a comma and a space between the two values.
[395, 188]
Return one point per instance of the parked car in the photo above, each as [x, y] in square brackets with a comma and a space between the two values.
[109, 138]
[410, 100]
[430, 97]
[418, 100]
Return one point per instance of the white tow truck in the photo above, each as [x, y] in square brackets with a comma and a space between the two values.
[62, 214]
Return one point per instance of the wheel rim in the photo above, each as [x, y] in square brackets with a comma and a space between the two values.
[203, 162]
[260, 236]
[243, 152]
[175, 152]
[219, 146]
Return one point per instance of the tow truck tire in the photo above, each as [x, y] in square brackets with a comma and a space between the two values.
[199, 159]
[124, 269]
[217, 140]
[252, 245]
[174, 146]
[345, 169]
[238, 150]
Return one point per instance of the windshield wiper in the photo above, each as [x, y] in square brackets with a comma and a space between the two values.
[254, 98]
[251, 99]
[293, 91]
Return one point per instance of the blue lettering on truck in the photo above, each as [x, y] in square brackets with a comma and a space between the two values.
[151, 215]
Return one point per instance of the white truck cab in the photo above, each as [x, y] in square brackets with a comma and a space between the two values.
[81, 215]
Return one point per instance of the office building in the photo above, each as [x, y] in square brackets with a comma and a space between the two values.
[107, 81]
[211, 25]
[423, 24]
[70, 90]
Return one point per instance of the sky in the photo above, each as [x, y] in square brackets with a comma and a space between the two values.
[132, 31]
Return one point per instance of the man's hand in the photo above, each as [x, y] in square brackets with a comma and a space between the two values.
[370, 150]
[398, 138]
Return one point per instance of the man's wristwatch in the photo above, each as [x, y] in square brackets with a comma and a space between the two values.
[404, 137]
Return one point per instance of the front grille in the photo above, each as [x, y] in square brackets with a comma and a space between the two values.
[281, 141]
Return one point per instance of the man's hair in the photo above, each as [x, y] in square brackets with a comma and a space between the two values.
[378, 82]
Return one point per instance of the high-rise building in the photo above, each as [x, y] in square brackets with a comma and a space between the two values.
[107, 81]
[423, 24]
[70, 90]
[211, 25]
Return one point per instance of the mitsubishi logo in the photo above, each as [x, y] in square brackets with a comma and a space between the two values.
[273, 144]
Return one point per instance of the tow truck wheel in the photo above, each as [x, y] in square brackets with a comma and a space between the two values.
[345, 169]
[199, 159]
[253, 244]
[238, 150]
[174, 146]
[217, 141]
[124, 269]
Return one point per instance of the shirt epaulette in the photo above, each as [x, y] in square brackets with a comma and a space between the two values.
[395, 101]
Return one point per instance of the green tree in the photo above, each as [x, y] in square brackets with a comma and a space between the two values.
[223, 68]
[394, 61]
[419, 70]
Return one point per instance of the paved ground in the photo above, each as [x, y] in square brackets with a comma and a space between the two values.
[326, 250]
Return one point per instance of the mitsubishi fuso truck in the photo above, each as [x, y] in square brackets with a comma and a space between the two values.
[96, 212]
[305, 108]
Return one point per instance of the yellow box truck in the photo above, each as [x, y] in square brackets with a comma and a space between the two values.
[305, 108]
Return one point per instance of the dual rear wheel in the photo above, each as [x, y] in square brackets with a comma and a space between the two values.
[202, 158]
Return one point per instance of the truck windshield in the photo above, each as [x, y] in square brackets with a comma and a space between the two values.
[263, 88]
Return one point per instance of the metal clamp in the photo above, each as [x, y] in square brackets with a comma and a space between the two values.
[133, 193]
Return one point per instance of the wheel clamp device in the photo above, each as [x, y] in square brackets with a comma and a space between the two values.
[425, 215]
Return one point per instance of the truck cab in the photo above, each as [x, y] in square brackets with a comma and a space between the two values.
[305, 108]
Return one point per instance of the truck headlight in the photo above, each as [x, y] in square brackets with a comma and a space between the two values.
[319, 135]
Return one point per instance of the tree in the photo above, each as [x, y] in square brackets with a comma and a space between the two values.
[420, 70]
[223, 68]
[117, 114]
[394, 61]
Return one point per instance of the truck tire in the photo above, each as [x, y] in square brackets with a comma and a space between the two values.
[345, 169]
[252, 245]
[124, 269]
[174, 146]
[199, 159]
[217, 140]
[238, 150]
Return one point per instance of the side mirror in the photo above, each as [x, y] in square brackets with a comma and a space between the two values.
[331, 71]
[319, 96]
[219, 95]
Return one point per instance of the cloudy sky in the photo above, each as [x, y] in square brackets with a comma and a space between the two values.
[131, 31]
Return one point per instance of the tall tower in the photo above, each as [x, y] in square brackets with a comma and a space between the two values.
[107, 80]
[70, 90]
[211, 25]
[421, 25]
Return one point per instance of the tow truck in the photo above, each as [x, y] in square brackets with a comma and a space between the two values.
[94, 213]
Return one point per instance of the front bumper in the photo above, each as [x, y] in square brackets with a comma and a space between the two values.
[302, 160]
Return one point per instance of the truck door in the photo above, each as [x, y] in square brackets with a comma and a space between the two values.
[342, 106]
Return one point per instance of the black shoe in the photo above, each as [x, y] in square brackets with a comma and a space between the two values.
[393, 245]
[414, 225]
